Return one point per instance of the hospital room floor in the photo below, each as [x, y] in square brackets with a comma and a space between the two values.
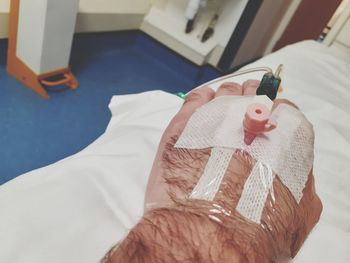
[36, 132]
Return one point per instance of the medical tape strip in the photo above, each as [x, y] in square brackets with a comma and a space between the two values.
[288, 149]
[256, 188]
[214, 172]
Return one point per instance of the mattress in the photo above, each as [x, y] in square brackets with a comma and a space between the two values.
[76, 209]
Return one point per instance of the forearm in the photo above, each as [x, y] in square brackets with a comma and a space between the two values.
[180, 234]
[198, 230]
[178, 228]
[202, 231]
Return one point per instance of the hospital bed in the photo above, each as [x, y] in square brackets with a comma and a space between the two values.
[76, 209]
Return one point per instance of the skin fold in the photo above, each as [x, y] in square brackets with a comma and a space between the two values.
[175, 228]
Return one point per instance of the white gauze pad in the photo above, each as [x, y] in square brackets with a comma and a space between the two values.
[287, 150]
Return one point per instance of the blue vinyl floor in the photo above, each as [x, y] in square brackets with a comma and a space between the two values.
[36, 132]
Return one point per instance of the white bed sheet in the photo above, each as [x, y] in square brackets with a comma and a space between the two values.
[76, 209]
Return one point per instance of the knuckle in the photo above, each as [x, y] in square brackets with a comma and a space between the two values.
[252, 83]
[202, 94]
[194, 95]
[230, 87]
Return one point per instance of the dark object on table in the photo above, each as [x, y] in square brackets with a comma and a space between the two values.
[190, 25]
[208, 33]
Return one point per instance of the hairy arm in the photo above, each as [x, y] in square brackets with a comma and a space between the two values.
[178, 234]
[176, 228]
[191, 230]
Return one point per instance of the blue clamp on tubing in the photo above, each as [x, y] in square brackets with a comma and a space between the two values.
[270, 84]
[181, 95]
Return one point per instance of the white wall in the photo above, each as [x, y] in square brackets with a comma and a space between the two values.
[344, 35]
[231, 13]
[95, 15]
[4, 5]
[98, 6]
[340, 30]
[4, 10]
[111, 15]
[338, 12]
[114, 6]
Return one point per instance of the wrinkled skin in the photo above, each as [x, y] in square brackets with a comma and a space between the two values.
[284, 225]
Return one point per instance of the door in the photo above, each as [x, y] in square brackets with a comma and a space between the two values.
[308, 22]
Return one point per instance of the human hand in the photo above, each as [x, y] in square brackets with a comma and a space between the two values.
[176, 171]
[172, 218]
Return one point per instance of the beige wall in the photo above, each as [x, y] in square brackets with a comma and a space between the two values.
[340, 32]
[96, 15]
[338, 13]
[262, 30]
[4, 10]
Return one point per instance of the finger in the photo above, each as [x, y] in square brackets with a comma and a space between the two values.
[195, 99]
[250, 87]
[229, 89]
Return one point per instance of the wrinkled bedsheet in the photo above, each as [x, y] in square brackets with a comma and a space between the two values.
[76, 209]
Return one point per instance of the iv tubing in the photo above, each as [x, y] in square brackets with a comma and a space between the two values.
[238, 73]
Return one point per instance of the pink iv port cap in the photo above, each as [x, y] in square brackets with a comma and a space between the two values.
[256, 119]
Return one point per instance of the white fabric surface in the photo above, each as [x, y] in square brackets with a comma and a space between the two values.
[76, 209]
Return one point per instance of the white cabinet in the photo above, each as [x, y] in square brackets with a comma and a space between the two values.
[167, 23]
[45, 33]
